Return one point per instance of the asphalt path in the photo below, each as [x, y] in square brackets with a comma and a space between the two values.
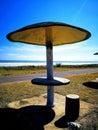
[9, 79]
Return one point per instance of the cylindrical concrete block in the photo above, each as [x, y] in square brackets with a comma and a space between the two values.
[72, 107]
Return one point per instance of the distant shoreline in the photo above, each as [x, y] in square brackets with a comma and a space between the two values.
[8, 63]
[27, 67]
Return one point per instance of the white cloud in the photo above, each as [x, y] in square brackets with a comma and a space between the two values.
[79, 51]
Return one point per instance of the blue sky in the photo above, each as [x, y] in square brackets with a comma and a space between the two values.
[15, 14]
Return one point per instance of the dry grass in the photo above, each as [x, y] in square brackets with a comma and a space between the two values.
[5, 71]
[19, 70]
[76, 86]
[21, 90]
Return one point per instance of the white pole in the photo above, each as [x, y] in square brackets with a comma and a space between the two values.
[50, 89]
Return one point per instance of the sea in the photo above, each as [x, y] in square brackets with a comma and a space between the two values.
[7, 63]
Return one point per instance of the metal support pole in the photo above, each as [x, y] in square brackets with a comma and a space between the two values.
[50, 89]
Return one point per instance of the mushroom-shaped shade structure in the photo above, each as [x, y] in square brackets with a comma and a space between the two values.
[96, 53]
[49, 34]
[57, 33]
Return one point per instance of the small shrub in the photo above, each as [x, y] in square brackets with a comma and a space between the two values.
[85, 98]
[58, 65]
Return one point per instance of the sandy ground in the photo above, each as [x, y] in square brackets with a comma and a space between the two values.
[59, 107]
[59, 102]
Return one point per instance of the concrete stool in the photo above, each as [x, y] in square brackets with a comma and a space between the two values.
[72, 107]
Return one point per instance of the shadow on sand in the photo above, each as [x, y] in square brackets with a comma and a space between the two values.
[26, 118]
[63, 121]
[91, 84]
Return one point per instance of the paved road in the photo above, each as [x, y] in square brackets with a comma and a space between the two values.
[8, 79]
